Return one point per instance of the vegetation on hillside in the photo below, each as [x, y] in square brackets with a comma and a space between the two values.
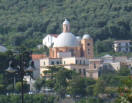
[26, 22]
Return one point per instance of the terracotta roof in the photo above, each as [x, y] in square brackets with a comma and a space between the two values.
[38, 56]
[54, 35]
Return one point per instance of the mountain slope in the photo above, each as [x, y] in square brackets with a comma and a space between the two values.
[24, 22]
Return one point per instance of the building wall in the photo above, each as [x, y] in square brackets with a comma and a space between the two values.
[78, 68]
[87, 48]
[48, 40]
[36, 71]
[87, 68]
[75, 60]
[84, 70]
[48, 62]
[92, 74]
[122, 46]
[75, 51]
[95, 63]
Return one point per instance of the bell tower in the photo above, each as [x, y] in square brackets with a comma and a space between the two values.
[87, 47]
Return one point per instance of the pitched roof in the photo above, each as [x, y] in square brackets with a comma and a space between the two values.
[38, 56]
[54, 35]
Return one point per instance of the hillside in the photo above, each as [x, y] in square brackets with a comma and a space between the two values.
[24, 22]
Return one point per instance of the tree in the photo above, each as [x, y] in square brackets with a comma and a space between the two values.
[99, 87]
[125, 91]
[62, 77]
[124, 71]
[104, 46]
[18, 87]
[39, 83]
[77, 87]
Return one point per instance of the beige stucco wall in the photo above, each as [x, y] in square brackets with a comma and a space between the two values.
[48, 62]
[92, 74]
[78, 68]
[73, 63]
[75, 60]
[87, 50]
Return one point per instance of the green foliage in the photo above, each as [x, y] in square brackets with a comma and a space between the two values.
[124, 71]
[18, 87]
[39, 98]
[10, 88]
[99, 87]
[90, 100]
[62, 78]
[41, 50]
[125, 91]
[104, 46]
[27, 22]
[77, 87]
[2, 88]
[39, 83]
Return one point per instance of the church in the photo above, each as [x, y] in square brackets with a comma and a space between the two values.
[72, 52]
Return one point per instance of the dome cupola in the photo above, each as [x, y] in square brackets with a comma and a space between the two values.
[66, 38]
[66, 26]
[86, 36]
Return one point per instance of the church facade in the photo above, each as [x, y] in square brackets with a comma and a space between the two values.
[74, 53]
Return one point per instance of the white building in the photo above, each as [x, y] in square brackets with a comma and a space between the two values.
[122, 45]
[49, 40]
[107, 58]
[36, 59]
[3, 49]
[86, 67]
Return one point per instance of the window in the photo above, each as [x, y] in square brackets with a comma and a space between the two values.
[84, 62]
[60, 62]
[88, 44]
[52, 63]
[64, 62]
[57, 62]
[84, 72]
[72, 52]
[76, 61]
[80, 62]
[80, 71]
[44, 63]
[94, 66]
[88, 49]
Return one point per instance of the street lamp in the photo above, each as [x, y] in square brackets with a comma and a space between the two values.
[11, 70]
[21, 66]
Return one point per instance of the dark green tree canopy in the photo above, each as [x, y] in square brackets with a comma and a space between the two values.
[27, 22]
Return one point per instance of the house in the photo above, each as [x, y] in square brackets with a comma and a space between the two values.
[49, 40]
[122, 46]
[36, 59]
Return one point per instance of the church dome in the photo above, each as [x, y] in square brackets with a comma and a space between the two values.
[86, 36]
[3, 49]
[78, 38]
[66, 39]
